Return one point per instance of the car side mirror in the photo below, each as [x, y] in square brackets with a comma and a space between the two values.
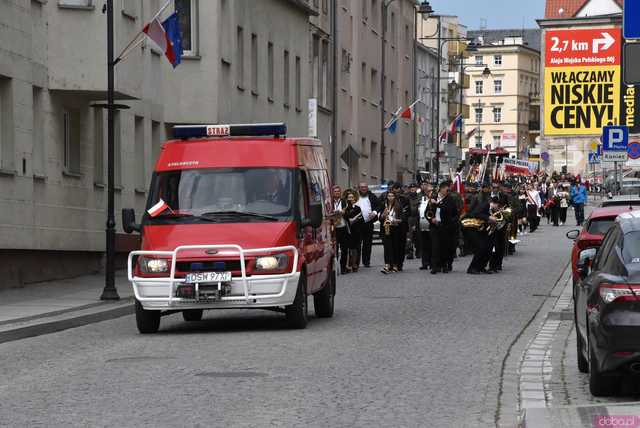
[573, 234]
[315, 217]
[129, 224]
[585, 261]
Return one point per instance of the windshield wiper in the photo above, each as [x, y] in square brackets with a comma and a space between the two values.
[241, 214]
[185, 215]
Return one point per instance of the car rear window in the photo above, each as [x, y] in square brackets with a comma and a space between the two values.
[600, 226]
[631, 247]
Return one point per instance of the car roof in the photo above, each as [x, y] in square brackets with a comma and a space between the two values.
[620, 202]
[629, 221]
[608, 211]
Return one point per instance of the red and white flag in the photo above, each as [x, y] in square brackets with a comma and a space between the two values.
[158, 208]
[156, 32]
[410, 112]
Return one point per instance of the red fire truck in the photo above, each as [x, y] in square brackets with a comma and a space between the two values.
[238, 216]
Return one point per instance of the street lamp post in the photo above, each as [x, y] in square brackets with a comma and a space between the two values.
[423, 9]
[109, 292]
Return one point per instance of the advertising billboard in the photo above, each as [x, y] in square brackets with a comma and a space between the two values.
[582, 80]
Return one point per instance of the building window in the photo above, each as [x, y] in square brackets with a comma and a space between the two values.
[98, 147]
[188, 14]
[374, 83]
[156, 140]
[497, 114]
[375, 9]
[363, 82]
[325, 84]
[298, 84]
[139, 142]
[240, 57]
[497, 86]
[315, 67]
[71, 139]
[39, 156]
[325, 6]
[496, 141]
[479, 87]
[479, 141]
[286, 79]
[479, 60]
[271, 74]
[394, 35]
[254, 64]
[479, 115]
[7, 154]
[497, 60]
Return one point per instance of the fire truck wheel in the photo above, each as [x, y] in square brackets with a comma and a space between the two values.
[192, 315]
[148, 321]
[323, 300]
[297, 313]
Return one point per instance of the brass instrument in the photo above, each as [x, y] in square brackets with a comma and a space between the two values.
[430, 213]
[473, 223]
[387, 227]
[502, 217]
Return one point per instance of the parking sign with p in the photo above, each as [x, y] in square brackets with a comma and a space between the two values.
[615, 138]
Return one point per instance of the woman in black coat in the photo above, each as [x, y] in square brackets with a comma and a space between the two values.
[354, 219]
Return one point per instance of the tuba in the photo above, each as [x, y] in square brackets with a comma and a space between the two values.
[473, 223]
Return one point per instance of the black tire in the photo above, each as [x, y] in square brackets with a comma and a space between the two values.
[192, 315]
[599, 384]
[583, 362]
[148, 322]
[297, 313]
[323, 300]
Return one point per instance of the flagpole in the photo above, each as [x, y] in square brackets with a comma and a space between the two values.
[393, 119]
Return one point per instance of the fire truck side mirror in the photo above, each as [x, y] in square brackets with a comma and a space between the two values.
[315, 217]
[129, 221]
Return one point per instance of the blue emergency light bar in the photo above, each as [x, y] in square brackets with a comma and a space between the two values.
[237, 130]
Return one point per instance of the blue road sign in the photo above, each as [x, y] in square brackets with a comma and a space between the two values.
[594, 158]
[633, 149]
[615, 138]
[631, 19]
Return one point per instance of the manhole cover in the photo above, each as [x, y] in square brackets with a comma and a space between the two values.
[231, 374]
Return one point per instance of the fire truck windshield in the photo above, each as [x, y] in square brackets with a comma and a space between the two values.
[224, 195]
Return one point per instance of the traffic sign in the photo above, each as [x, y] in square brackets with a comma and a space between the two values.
[615, 138]
[594, 158]
[633, 149]
[631, 19]
[614, 156]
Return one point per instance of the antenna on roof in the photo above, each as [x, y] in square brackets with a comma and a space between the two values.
[483, 23]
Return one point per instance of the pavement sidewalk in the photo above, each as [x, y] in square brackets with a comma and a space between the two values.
[58, 305]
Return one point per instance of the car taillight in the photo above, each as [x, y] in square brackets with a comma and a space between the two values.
[614, 292]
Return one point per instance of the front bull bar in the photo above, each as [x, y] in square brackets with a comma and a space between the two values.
[173, 281]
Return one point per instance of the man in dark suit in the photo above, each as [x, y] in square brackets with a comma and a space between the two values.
[443, 228]
[479, 239]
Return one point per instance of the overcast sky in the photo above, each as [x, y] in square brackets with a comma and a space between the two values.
[499, 14]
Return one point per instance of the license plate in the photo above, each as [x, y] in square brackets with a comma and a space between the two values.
[205, 277]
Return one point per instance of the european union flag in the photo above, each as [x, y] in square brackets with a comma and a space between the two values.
[171, 26]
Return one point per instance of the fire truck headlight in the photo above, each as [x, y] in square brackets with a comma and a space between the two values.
[269, 263]
[153, 265]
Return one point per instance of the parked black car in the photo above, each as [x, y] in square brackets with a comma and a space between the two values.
[607, 307]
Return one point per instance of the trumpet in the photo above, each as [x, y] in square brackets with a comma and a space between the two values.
[387, 227]
[430, 212]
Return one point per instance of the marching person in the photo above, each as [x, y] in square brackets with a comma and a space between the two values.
[479, 239]
[403, 216]
[424, 225]
[459, 202]
[412, 239]
[564, 204]
[443, 230]
[339, 206]
[354, 219]
[579, 199]
[533, 207]
[498, 237]
[522, 213]
[368, 203]
[390, 221]
[554, 200]
[471, 195]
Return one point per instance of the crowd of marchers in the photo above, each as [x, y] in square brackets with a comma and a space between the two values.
[438, 223]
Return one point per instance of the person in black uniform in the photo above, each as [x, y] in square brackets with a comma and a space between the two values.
[390, 231]
[498, 238]
[353, 217]
[471, 195]
[479, 238]
[443, 229]
[403, 216]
